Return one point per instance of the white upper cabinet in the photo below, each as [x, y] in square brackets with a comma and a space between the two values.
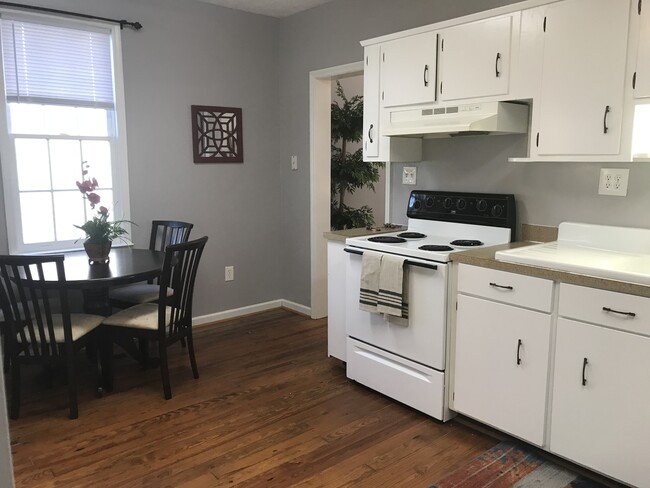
[408, 70]
[642, 74]
[581, 105]
[375, 146]
[475, 59]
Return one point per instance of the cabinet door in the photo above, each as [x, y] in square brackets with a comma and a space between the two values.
[475, 59]
[501, 366]
[599, 416]
[408, 70]
[642, 78]
[336, 336]
[371, 103]
[581, 105]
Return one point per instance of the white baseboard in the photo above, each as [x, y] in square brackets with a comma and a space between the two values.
[239, 312]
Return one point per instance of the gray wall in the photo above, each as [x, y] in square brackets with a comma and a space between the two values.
[194, 53]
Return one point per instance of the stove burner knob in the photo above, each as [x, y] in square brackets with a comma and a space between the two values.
[429, 202]
[461, 204]
[497, 211]
[447, 203]
[417, 204]
[481, 205]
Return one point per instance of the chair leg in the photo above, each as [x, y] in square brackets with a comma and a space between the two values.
[190, 348]
[164, 370]
[143, 345]
[15, 390]
[106, 358]
[72, 387]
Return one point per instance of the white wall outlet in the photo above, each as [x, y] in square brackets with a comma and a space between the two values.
[294, 163]
[230, 273]
[409, 175]
[613, 181]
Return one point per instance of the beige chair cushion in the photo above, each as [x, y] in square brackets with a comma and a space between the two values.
[137, 293]
[143, 316]
[82, 324]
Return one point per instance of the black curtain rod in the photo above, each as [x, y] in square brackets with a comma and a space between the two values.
[123, 23]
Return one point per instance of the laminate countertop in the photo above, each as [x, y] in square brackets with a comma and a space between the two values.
[342, 235]
[484, 258]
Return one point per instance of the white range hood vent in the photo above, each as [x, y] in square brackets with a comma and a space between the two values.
[458, 120]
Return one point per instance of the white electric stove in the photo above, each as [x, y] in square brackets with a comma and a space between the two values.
[407, 361]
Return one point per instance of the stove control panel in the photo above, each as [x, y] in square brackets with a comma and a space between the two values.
[491, 209]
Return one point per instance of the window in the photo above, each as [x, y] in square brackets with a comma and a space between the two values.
[63, 108]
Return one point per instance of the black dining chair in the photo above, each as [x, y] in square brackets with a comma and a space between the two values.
[39, 327]
[163, 233]
[170, 319]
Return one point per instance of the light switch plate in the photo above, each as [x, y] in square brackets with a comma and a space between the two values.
[294, 163]
[409, 175]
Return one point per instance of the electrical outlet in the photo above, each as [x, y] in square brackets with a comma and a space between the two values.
[230, 273]
[613, 181]
[294, 163]
[409, 175]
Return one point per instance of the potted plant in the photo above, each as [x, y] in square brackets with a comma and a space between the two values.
[100, 232]
[349, 171]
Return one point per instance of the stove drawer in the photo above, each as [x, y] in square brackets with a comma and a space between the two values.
[413, 384]
[515, 289]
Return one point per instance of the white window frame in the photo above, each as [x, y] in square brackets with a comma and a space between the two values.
[121, 208]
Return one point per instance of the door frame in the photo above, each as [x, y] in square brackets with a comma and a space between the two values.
[320, 100]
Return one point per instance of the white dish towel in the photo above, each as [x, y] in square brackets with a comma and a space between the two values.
[369, 283]
[392, 298]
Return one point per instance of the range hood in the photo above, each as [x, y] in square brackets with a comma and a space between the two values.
[458, 120]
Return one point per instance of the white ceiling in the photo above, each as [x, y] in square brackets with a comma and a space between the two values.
[272, 8]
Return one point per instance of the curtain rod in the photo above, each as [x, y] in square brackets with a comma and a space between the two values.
[123, 23]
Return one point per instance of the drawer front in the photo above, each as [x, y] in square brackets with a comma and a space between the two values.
[620, 311]
[511, 288]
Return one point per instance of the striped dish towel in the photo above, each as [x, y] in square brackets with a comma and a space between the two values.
[391, 287]
[369, 283]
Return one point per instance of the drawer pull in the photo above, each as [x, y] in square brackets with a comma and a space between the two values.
[584, 367]
[503, 287]
[518, 349]
[628, 314]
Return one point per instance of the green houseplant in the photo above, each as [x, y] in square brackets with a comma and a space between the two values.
[349, 171]
[100, 232]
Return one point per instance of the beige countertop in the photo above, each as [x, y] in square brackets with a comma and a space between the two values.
[484, 257]
[342, 235]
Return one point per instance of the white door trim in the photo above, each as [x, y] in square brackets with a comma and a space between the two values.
[320, 99]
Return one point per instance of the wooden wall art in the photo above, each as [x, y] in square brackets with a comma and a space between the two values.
[217, 134]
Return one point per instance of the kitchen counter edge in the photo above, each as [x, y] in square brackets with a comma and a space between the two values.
[485, 258]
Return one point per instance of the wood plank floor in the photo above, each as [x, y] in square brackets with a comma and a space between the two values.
[269, 410]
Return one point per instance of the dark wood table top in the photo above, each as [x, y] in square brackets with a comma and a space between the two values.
[126, 265]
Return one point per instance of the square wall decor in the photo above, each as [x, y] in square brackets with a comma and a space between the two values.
[217, 134]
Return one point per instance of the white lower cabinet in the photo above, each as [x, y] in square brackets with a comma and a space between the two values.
[601, 393]
[336, 336]
[501, 366]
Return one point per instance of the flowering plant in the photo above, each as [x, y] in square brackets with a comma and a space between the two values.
[99, 230]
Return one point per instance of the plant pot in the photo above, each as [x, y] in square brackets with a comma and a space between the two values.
[98, 251]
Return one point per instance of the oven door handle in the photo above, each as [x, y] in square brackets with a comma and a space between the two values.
[410, 263]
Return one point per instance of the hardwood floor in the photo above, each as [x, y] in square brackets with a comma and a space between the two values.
[269, 410]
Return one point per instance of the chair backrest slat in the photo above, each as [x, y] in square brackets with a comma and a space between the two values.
[166, 232]
[179, 273]
[29, 298]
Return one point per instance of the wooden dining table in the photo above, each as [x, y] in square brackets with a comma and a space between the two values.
[126, 265]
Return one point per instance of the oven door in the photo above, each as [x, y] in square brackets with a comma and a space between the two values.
[422, 340]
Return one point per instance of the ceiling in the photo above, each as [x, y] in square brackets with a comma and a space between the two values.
[272, 8]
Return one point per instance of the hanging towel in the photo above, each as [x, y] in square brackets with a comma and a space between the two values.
[391, 287]
[369, 283]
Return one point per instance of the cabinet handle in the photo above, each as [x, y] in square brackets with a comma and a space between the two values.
[584, 367]
[628, 314]
[537, 140]
[496, 65]
[639, 6]
[605, 128]
[425, 75]
[634, 81]
[518, 349]
[503, 287]
[370, 133]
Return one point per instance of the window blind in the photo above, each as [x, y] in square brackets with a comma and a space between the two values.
[53, 64]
